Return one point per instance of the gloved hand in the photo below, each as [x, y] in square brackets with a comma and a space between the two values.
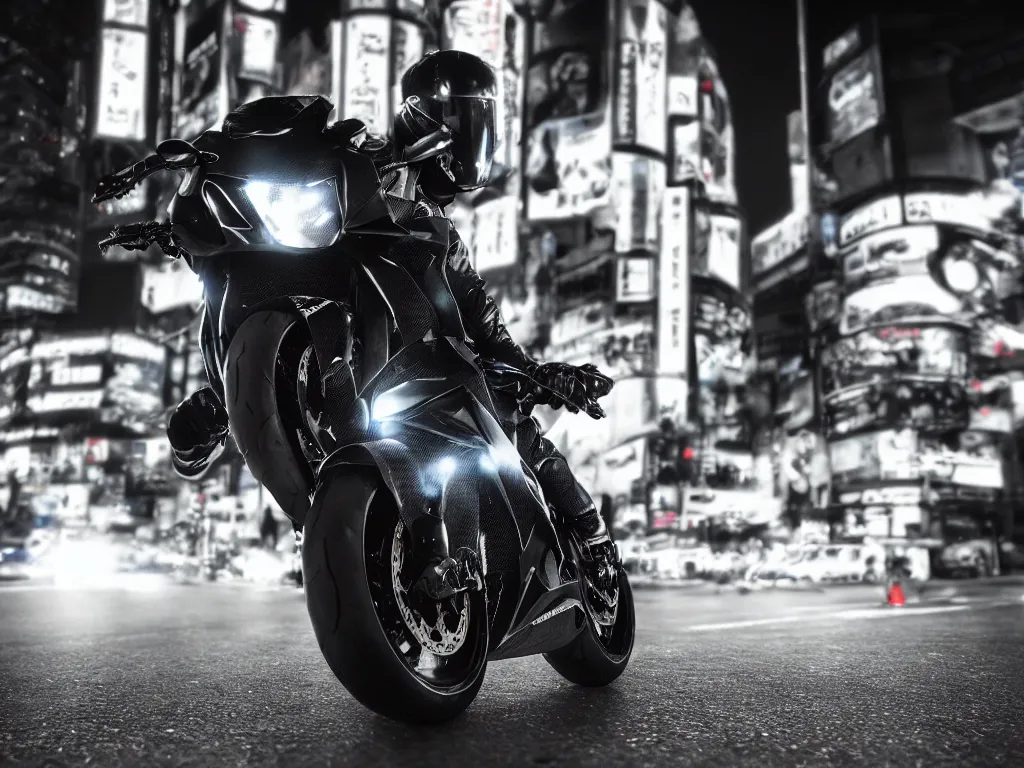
[578, 388]
[198, 425]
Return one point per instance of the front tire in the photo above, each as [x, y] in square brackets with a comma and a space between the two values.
[598, 657]
[351, 561]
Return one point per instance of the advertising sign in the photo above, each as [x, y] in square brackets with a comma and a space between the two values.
[74, 373]
[123, 80]
[477, 27]
[634, 279]
[895, 253]
[495, 230]
[721, 331]
[779, 242]
[169, 285]
[640, 104]
[639, 186]
[912, 299]
[407, 47]
[674, 284]
[841, 47]
[717, 247]
[684, 151]
[259, 39]
[367, 52]
[854, 98]
[974, 459]
[978, 211]
[682, 93]
[823, 304]
[896, 403]
[874, 457]
[199, 106]
[873, 217]
[622, 347]
[569, 168]
[936, 353]
[131, 13]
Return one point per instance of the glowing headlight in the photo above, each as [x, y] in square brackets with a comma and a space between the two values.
[446, 467]
[298, 215]
[961, 275]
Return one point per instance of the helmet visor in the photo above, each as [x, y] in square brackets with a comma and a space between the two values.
[473, 123]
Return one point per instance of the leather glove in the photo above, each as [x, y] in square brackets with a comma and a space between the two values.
[578, 388]
[198, 425]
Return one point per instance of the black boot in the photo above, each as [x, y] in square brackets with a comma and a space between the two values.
[438, 577]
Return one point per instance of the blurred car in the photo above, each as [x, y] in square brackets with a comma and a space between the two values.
[833, 563]
[974, 557]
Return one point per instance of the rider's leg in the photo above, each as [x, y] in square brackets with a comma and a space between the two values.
[571, 501]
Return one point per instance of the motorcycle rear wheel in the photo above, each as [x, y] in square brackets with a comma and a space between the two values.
[597, 657]
[352, 541]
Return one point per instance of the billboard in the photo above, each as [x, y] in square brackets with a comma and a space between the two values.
[635, 279]
[911, 299]
[123, 84]
[168, 285]
[854, 98]
[495, 234]
[367, 71]
[14, 371]
[674, 284]
[888, 255]
[936, 353]
[131, 13]
[567, 123]
[120, 372]
[777, 244]
[639, 187]
[257, 40]
[716, 250]
[622, 347]
[684, 151]
[199, 105]
[884, 213]
[721, 322]
[890, 403]
[569, 168]
[874, 457]
[968, 458]
[641, 75]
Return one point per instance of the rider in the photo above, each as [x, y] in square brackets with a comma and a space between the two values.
[445, 138]
[450, 98]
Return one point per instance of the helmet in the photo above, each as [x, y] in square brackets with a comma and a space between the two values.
[451, 94]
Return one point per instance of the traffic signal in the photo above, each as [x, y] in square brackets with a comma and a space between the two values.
[684, 463]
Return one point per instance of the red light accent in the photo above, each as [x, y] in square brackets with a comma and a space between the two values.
[707, 86]
[241, 25]
[984, 411]
[687, 453]
[976, 385]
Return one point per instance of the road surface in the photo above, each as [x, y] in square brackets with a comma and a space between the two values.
[144, 673]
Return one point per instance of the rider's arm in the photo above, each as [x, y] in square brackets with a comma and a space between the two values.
[480, 314]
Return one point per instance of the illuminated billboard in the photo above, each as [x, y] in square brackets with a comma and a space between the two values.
[639, 187]
[367, 71]
[854, 98]
[936, 353]
[123, 80]
[641, 75]
[674, 284]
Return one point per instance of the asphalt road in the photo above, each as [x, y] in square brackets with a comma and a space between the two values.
[155, 675]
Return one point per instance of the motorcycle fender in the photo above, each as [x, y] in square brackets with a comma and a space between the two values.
[394, 461]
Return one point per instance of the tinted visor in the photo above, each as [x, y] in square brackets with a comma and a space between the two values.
[473, 123]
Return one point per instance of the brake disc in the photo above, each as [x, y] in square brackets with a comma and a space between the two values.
[436, 637]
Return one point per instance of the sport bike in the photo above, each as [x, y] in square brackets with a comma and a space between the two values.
[356, 400]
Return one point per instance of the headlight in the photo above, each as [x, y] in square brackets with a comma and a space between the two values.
[298, 215]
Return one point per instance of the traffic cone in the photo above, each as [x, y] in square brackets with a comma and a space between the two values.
[896, 596]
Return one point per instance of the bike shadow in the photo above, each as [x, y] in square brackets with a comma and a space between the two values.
[547, 713]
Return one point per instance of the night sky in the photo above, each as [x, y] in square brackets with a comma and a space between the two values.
[756, 46]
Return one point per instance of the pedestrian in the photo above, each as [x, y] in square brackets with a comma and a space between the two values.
[268, 529]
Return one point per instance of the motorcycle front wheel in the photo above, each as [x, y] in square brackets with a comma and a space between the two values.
[401, 656]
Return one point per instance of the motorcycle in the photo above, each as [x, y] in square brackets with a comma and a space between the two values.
[355, 400]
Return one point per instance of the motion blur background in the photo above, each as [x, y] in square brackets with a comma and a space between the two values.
[813, 316]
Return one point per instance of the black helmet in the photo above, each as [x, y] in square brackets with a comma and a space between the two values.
[452, 94]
